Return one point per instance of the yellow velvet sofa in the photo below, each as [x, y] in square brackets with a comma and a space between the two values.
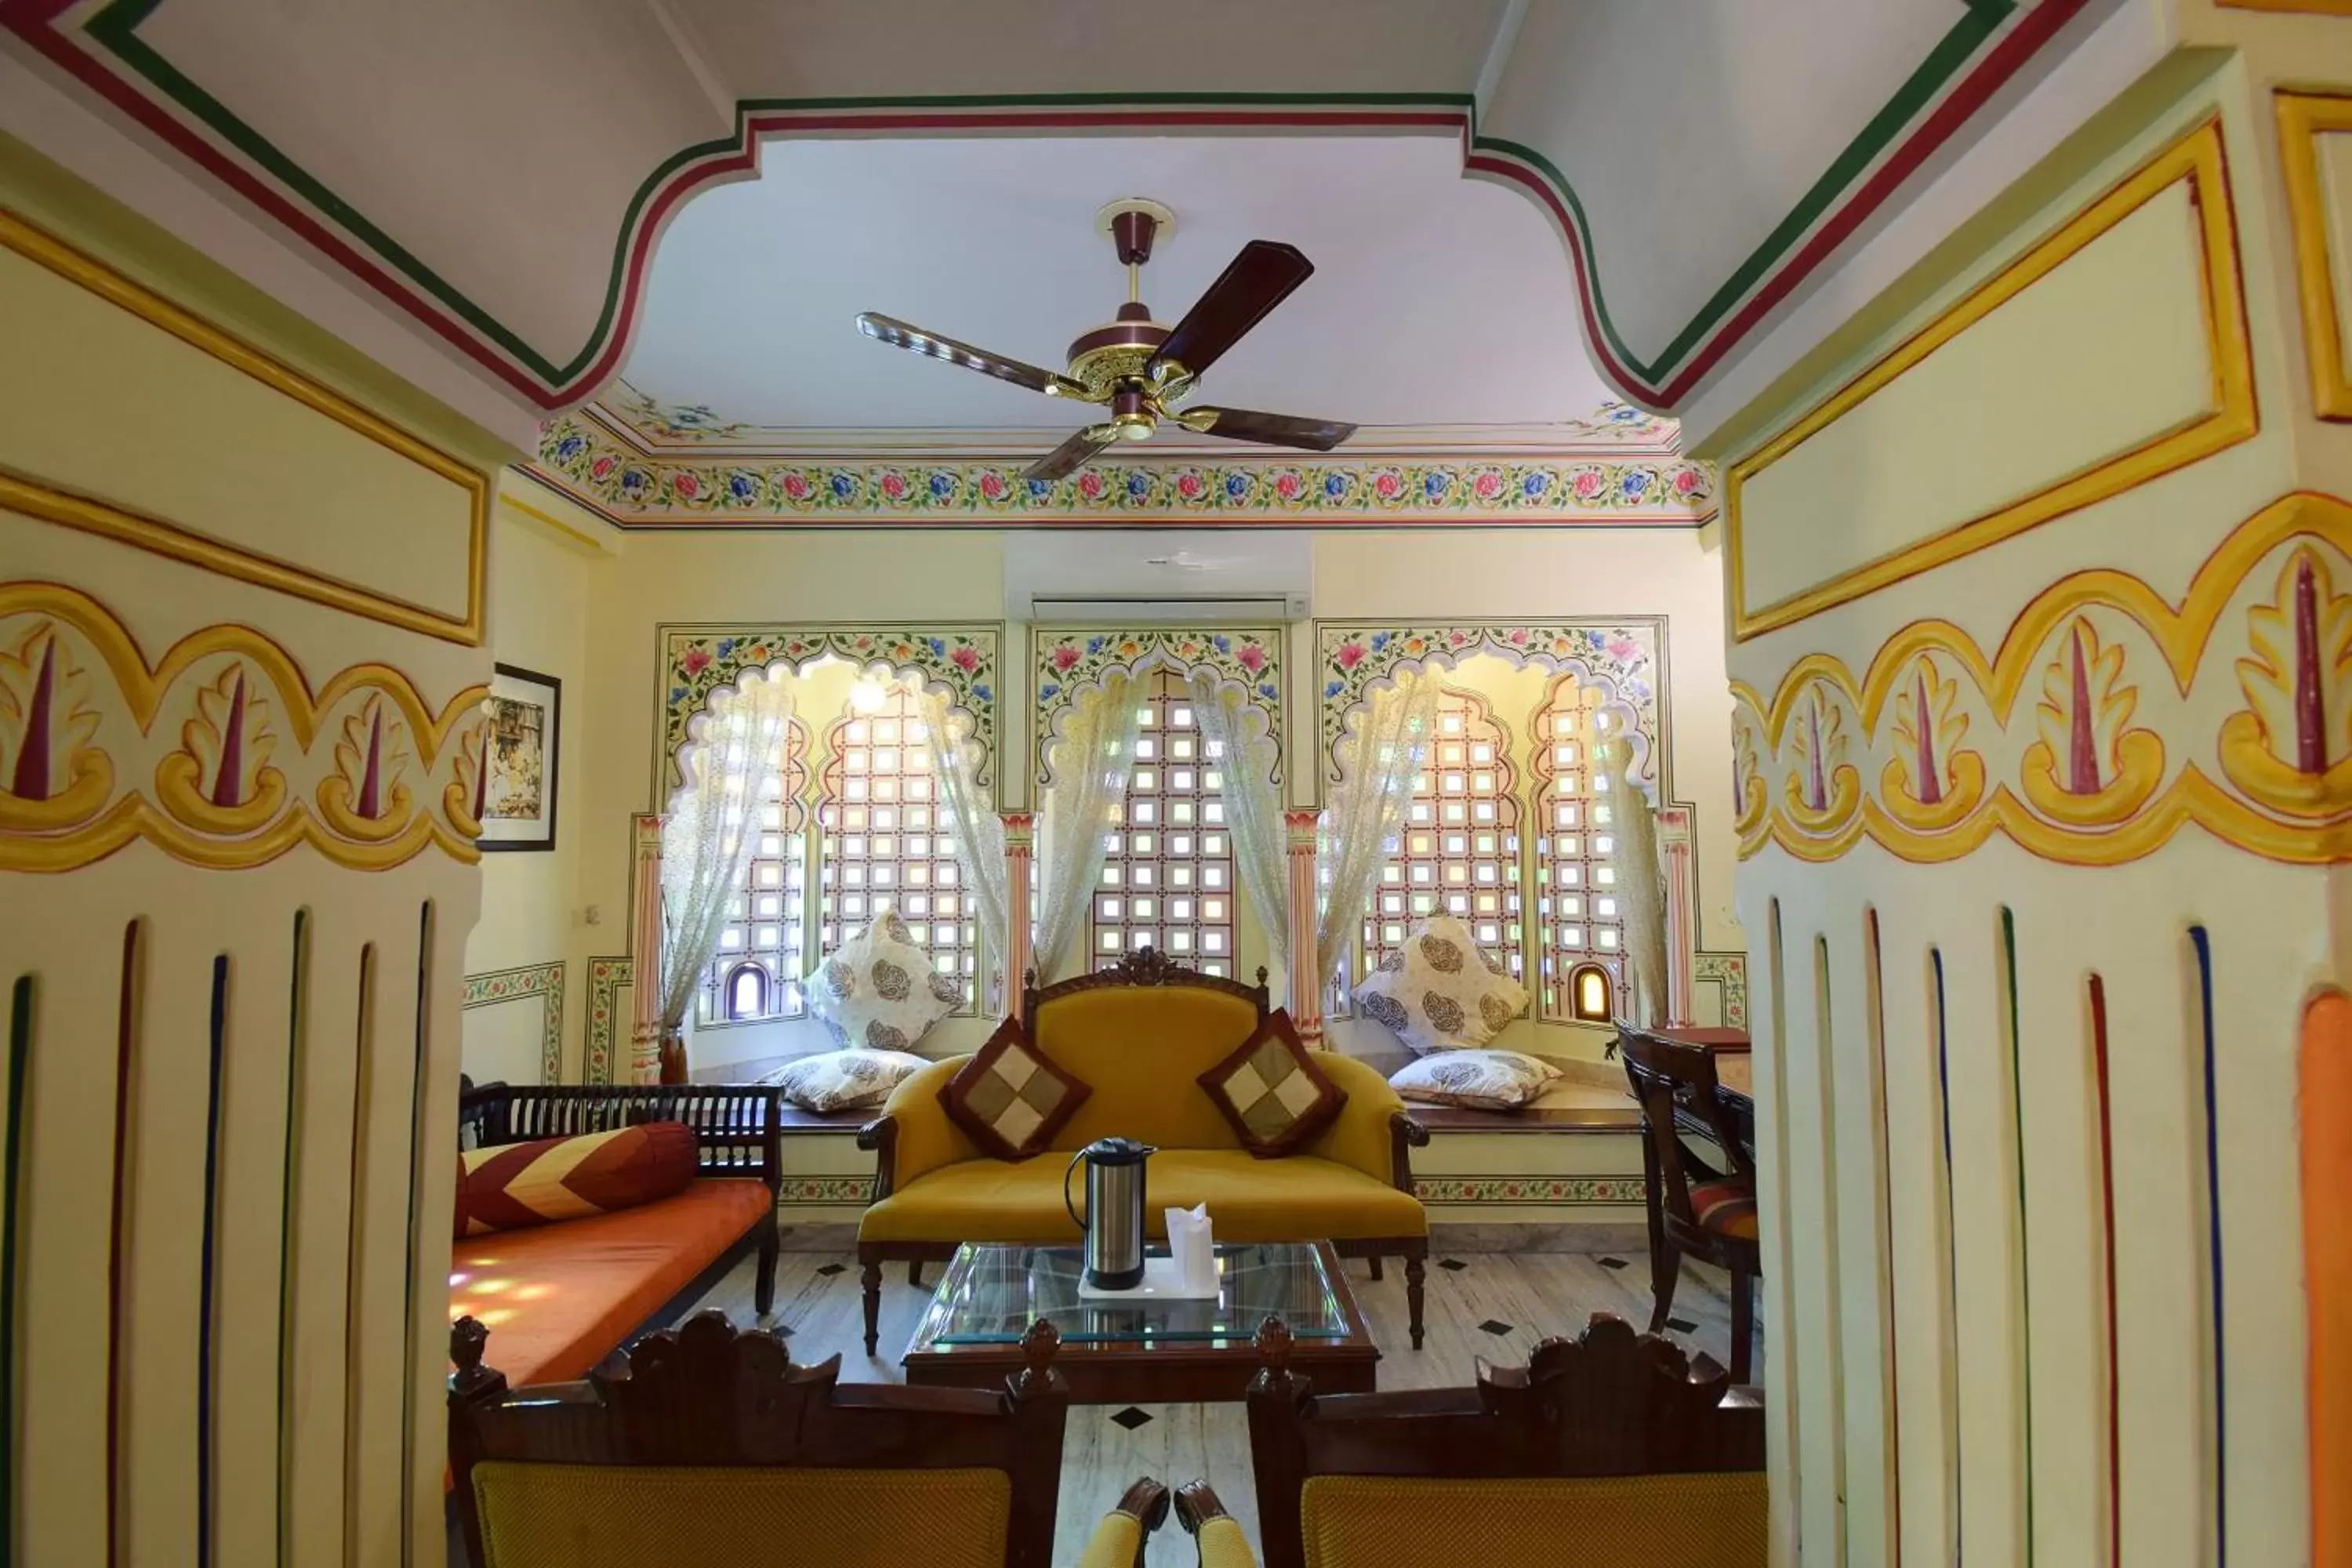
[1139, 1036]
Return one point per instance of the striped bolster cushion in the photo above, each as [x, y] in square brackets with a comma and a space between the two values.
[511, 1186]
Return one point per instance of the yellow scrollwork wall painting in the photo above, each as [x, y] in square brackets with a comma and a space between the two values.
[220, 752]
[2053, 738]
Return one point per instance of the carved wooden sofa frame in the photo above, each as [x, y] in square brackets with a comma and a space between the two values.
[707, 1395]
[1607, 1402]
[1147, 966]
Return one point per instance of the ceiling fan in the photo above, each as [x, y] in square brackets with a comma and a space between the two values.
[1138, 368]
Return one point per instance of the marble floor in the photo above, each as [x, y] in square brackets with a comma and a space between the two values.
[1486, 1298]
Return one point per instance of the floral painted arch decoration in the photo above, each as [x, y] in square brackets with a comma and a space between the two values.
[1624, 657]
[1067, 663]
[959, 662]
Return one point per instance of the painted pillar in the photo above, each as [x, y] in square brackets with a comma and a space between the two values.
[1020, 836]
[1305, 973]
[646, 947]
[1682, 889]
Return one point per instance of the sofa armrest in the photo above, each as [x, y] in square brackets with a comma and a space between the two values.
[1374, 1128]
[913, 1133]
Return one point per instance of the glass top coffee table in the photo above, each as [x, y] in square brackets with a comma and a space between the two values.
[1146, 1352]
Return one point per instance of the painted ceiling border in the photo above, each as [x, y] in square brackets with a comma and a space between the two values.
[1065, 662]
[630, 491]
[1991, 43]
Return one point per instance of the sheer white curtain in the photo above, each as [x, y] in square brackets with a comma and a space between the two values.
[1366, 807]
[1252, 803]
[1641, 881]
[965, 805]
[713, 824]
[1079, 810]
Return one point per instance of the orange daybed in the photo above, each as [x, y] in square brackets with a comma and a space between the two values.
[561, 1297]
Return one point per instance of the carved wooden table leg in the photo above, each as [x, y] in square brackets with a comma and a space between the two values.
[1414, 1270]
[872, 1277]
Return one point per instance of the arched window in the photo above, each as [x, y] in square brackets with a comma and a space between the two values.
[1459, 848]
[762, 937]
[1576, 906]
[1168, 880]
[886, 839]
[1591, 996]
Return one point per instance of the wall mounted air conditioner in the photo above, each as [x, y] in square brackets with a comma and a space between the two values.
[1161, 610]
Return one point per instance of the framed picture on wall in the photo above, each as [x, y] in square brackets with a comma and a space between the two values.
[518, 799]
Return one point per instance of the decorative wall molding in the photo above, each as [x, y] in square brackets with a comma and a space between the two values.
[1622, 656]
[544, 981]
[2196, 160]
[633, 489]
[2229, 710]
[823, 1192]
[18, 493]
[113, 53]
[1067, 662]
[220, 753]
[958, 661]
[1441, 1191]
[2302, 119]
[1729, 972]
[605, 978]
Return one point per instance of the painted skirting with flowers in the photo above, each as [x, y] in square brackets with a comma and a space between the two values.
[544, 981]
[1729, 972]
[1621, 657]
[1443, 1190]
[633, 489]
[605, 978]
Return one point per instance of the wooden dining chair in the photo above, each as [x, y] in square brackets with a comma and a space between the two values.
[1610, 1449]
[1694, 1208]
[708, 1444]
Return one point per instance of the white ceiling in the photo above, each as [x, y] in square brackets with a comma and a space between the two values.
[1437, 299]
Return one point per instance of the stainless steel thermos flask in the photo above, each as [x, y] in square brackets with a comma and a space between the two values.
[1114, 1217]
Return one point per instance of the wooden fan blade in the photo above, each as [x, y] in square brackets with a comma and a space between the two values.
[905, 335]
[1261, 276]
[1072, 455]
[1273, 429]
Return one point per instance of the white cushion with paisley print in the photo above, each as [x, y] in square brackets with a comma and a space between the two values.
[1477, 1080]
[848, 1080]
[879, 990]
[1438, 991]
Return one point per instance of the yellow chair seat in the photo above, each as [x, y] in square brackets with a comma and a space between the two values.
[1297, 1198]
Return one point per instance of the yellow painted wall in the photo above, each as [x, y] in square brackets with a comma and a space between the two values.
[233, 1311]
[2025, 1035]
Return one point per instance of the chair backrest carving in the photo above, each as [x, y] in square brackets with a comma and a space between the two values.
[1144, 966]
[1670, 1074]
[707, 1395]
[1609, 1403]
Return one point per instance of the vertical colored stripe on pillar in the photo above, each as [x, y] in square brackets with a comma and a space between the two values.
[2326, 1103]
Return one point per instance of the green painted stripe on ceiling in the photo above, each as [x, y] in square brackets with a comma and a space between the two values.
[115, 27]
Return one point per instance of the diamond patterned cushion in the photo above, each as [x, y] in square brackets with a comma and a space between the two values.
[879, 990]
[1439, 992]
[507, 1186]
[1010, 1098]
[1272, 1091]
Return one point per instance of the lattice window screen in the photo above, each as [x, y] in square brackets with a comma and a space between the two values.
[1459, 850]
[1168, 880]
[755, 975]
[1576, 901]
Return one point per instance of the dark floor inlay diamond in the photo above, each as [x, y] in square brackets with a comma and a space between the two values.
[1613, 1263]
[1497, 1330]
[1682, 1325]
[835, 1268]
[1131, 1417]
[1456, 1263]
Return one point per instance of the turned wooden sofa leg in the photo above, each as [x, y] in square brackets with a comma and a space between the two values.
[915, 1272]
[763, 1288]
[1376, 1268]
[872, 1277]
[1415, 1270]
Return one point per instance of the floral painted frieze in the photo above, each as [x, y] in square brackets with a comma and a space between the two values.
[2107, 721]
[960, 662]
[1067, 664]
[221, 754]
[606, 976]
[633, 488]
[1621, 658]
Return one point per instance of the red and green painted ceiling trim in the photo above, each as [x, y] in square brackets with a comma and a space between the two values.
[102, 47]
